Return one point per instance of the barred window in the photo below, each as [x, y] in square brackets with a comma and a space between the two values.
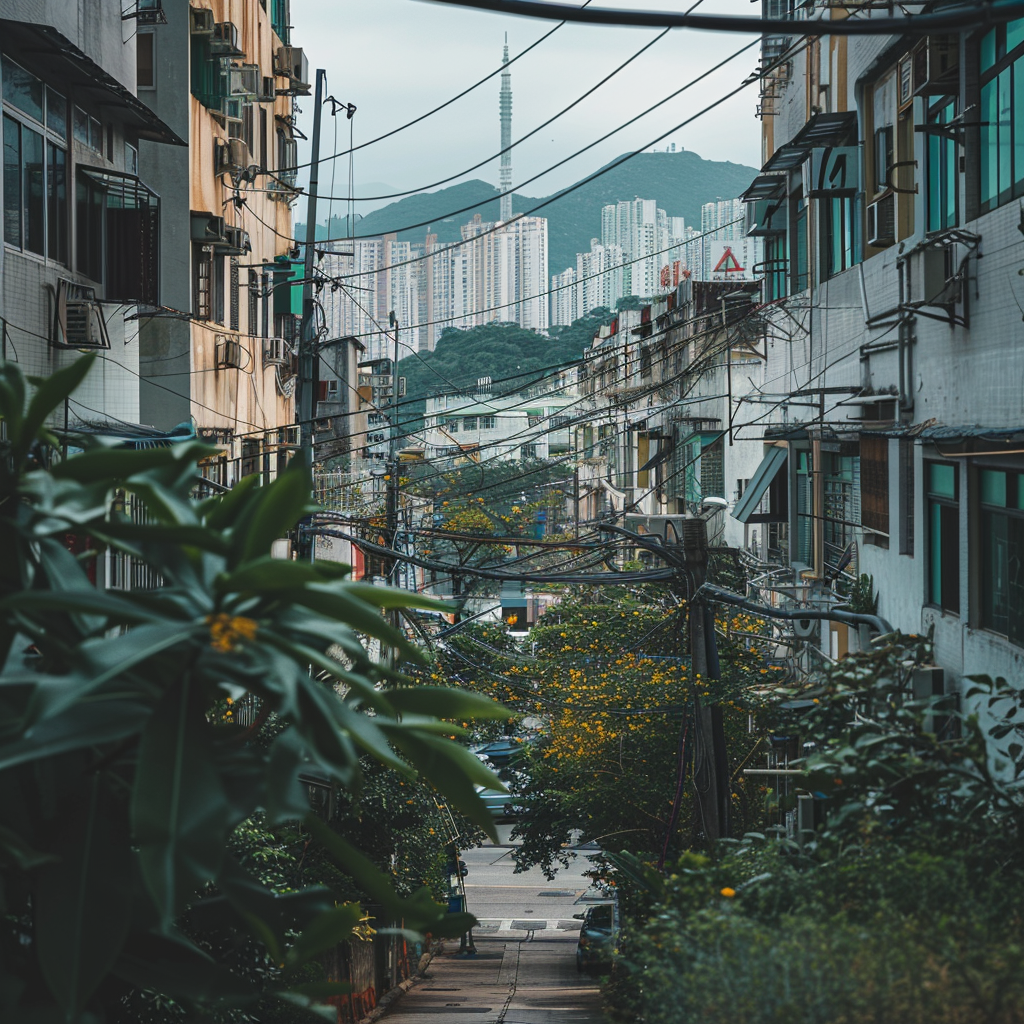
[874, 483]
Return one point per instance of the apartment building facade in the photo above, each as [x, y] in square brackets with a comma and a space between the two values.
[889, 205]
[220, 352]
[80, 259]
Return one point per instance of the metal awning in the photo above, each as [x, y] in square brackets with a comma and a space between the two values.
[820, 130]
[84, 77]
[127, 191]
[765, 186]
[666, 447]
[759, 484]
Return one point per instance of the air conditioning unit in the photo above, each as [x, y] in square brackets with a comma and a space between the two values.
[225, 40]
[150, 12]
[78, 320]
[936, 65]
[291, 63]
[928, 683]
[276, 352]
[244, 80]
[238, 242]
[200, 21]
[905, 82]
[231, 156]
[207, 228]
[881, 221]
[229, 353]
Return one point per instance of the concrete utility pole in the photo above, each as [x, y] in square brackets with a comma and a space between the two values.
[305, 397]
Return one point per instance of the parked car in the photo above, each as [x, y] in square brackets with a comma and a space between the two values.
[499, 804]
[597, 939]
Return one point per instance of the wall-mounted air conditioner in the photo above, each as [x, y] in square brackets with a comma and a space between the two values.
[207, 228]
[229, 353]
[291, 63]
[244, 80]
[238, 242]
[268, 91]
[881, 221]
[276, 352]
[200, 21]
[934, 279]
[225, 40]
[78, 318]
[936, 65]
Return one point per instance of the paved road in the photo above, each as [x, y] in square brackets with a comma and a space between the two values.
[524, 971]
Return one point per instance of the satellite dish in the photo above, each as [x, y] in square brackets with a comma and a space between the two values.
[805, 629]
[714, 502]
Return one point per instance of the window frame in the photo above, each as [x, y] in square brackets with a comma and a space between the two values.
[1005, 59]
[1012, 511]
[52, 191]
[935, 503]
[942, 177]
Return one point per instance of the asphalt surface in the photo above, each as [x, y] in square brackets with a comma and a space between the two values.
[524, 971]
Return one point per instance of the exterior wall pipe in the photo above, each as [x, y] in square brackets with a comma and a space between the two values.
[833, 615]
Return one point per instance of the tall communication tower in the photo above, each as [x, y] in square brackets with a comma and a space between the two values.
[505, 181]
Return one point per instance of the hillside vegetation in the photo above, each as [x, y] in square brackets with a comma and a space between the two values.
[680, 182]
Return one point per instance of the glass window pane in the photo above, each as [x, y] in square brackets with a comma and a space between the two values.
[1015, 580]
[1014, 34]
[989, 144]
[80, 126]
[993, 487]
[33, 190]
[22, 90]
[1018, 121]
[995, 565]
[12, 182]
[144, 60]
[57, 203]
[56, 113]
[988, 49]
[1020, 491]
[941, 480]
[935, 553]
[1005, 140]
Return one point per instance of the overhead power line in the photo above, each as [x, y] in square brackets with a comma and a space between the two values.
[960, 16]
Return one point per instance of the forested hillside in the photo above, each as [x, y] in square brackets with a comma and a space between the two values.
[511, 356]
[680, 182]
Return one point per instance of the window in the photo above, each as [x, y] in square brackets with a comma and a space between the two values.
[798, 244]
[202, 284]
[254, 295]
[145, 62]
[217, 275]
[469, 423]
[333, 389]
[35, 192]
[1002, 553]
[907, 498]
[529, 451]
[874, 483]
[943, 509]
[776, 265]
[487, 422]
[250, 456]
[87, 130]
[842, 512]
[1002, 114]
[839, 222]
[89, 216]
[452, 426]
[942, 167]
[804, 508]
[131, 158]
[884, 157]
[235, 304]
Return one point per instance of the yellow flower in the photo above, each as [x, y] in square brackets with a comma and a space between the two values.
[226, 631]
[728, 893]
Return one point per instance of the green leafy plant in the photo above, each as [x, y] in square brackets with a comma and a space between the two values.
[122, 782]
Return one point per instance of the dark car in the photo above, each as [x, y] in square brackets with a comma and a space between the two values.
[594, 951]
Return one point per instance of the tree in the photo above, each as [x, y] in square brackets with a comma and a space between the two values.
[124, 780]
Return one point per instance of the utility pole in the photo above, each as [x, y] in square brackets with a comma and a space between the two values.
[305, 397]
[391, 510]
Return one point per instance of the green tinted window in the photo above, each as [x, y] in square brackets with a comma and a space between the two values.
[993, 487]
[942, 480]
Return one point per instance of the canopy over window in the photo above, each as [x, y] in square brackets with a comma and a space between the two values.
[759, 484]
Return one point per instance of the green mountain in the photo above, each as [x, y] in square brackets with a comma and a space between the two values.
[681, 183]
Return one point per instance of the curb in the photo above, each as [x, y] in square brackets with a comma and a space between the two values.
[388, 1000]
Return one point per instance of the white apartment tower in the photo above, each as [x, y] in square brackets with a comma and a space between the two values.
[505, 180]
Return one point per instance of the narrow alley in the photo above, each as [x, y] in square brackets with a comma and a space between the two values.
[524, 971]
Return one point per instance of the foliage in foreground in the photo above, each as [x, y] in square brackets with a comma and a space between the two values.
[123, 783]
[906, 906]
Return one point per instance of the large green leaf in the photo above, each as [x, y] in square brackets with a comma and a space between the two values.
[392, 597]
[272, 512]
[90, 723]
[451, 769]
[118, 464]
[83, 901]
[269, 575]
[287, 796]
[90, 602]
[220, 512]
[179, 807]
[447, 703]
[50, 393]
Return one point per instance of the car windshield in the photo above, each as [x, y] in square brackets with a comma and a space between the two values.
[600, 917]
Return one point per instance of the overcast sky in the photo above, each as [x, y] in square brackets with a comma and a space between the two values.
[397, 59]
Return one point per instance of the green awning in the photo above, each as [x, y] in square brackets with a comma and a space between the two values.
[759, 484]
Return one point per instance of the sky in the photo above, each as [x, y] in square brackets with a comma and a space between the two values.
[398, 59]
